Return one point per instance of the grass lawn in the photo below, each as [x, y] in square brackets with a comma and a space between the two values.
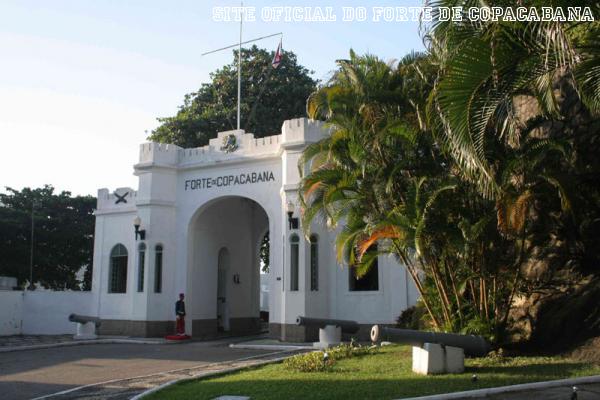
[384, 375]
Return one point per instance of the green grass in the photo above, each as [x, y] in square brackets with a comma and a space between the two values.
[385, 375]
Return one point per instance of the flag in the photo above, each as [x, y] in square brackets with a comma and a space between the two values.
[278, 55]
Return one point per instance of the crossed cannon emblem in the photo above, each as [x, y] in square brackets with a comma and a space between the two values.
[121, 198]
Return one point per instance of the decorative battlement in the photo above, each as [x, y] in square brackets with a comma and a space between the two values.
[302, 131]
[224, 147]
[160, 153]
[232, 145]
[121, 198]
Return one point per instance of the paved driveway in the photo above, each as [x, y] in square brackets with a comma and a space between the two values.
[34, 373]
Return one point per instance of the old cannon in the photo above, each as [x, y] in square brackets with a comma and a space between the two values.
[86, 326]
[472, 345]
[434, 352]
[330, 330]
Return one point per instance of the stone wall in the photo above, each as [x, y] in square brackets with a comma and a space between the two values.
[11, 312]
[41, 312]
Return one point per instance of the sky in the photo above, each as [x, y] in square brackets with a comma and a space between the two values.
[82, 82]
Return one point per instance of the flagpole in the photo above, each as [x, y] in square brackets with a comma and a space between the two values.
[239, 66]
[239, 94]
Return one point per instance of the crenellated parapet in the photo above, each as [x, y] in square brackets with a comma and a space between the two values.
[232, 146]
[122, 199]
[301, 131]
[159, 153]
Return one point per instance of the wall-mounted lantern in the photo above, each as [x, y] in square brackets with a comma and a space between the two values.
[293, 222]
[236, 279]
[139, 233]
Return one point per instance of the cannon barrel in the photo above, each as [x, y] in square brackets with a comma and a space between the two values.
[475, 346]
[346, 325]
[82, 319]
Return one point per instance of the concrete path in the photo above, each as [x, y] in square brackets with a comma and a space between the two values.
[37, 373]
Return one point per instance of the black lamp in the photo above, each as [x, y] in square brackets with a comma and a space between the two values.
[141, 233]
[293, 222]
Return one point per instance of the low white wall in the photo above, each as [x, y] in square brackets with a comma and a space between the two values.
[41, 312]
[46, 313]
[11, 311]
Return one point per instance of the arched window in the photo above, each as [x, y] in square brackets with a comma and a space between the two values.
[118, 270]
[369, 282]
[294, 262]
[158, 263]
[141, 265]
[314, 263]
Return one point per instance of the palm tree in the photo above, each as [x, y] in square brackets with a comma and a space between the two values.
[516, 106]
[499, 81]
[378, 174]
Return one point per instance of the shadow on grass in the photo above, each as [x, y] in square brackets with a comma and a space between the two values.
[554, 370]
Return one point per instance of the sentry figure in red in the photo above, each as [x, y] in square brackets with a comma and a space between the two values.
[180, 314]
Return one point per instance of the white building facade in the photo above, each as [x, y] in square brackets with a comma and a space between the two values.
[203, 214]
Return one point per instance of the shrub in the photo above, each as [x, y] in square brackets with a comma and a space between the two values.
[310, 362]
[318, 361]
[412, 317]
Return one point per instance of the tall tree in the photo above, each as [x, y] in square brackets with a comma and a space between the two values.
[378, 173]
[269, 97]
[63, 228]
[382, 176]
[516, 106]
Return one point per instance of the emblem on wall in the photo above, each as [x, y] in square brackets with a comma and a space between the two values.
[229, 144]
[121, 198]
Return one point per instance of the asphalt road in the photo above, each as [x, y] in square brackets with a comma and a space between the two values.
[34, 373]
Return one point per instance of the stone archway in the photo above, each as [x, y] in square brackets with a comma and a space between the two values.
[223, 278]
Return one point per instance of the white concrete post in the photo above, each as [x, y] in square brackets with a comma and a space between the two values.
[434, 358]
[329, 336]
[86, 331]
[455, 360]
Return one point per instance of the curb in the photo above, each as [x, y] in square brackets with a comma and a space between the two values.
[116, 340]
[508, 389]
[206, 375]
[79, 343]
[270, 347]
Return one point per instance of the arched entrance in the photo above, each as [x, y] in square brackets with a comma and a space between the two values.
[223, 282]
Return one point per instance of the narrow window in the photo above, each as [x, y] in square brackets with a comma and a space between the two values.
[294, 262]
[117, 277]
[158, 261]
[314, 263]
[141, 263]
[368, 282]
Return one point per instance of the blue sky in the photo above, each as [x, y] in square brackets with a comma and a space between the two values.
[81, 81]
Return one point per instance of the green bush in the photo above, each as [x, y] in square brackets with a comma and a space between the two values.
[318, 361]
[309, 362]
[412, 317]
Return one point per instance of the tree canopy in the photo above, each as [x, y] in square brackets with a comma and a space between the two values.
[62, 241]
[269, 97]
[476, 165]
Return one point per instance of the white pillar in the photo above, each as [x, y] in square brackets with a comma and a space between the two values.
[86, 331]
[434, 358]
[329, 336]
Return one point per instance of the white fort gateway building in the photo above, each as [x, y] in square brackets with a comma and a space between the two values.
[202, 216]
